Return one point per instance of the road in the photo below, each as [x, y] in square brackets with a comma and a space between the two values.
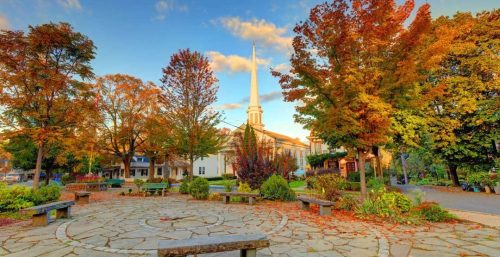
[464, 201]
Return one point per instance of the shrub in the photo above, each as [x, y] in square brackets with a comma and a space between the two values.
[138, 183]
[244, 188]
[431, 211]
[19, 197]
[310, 182]
[214, 197]
[184, 188]
[171, 181]
[228, 176]
[385, 204]
[418, 196]
[215, 178]
[155, 180]
[276, 188]
[329, 186]
[424, 181]
[375, 184]
[228, 185]
[88, 178]
[353, 177]
[66, 179]
[353, 186]
[199, 188]
[348, 202]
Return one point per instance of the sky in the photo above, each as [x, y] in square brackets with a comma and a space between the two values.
[138, 37]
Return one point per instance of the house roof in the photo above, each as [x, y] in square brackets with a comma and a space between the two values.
[284, 138]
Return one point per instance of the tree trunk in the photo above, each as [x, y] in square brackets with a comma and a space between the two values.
[48, 174]
[403, 167]
[38, 167]
[454, 175]
[191, 163]
[362, 173]
[151, 174]
[126, 166]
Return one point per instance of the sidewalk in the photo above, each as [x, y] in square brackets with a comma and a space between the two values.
[491, 220]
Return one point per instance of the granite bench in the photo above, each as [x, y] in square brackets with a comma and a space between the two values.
[41, 213]
[325, 207]
[82, 197]
[246, 243]
[226, 196]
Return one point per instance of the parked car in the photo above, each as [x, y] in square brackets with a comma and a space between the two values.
[12, 178]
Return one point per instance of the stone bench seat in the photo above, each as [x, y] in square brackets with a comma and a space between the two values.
[41, 213]
[82, 197]
[153, 187]
[227, 195]
[325, 207]
[246, 243]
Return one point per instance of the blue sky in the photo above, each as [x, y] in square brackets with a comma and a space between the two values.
[138, 38]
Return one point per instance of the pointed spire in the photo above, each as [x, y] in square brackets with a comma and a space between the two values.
[254, 86]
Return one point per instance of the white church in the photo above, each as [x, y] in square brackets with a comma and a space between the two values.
[220, 163]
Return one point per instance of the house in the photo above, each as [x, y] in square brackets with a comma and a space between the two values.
[139, 168]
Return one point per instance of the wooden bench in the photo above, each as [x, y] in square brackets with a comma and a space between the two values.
[41, 213]
[227, 195]
[82, 197]
[247, 244]
[153, 187]
[325, 207]
[115, 182]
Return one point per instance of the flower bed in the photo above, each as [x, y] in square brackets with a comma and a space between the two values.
[90, 187]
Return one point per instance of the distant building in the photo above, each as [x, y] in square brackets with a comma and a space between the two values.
[343, 165]
[139, 168]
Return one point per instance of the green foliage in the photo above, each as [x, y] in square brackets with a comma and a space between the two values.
[199, 188]
[431, 211]
[353, 186]
[317, 160]
[66, 179]
[19, 197]
[184, 188]
[228, 176]
[418, 196]
[228, 185]
[329, 186]
[424, 181]
[353, 176]
[244, 188]
[385, 204]
[138, 183]
[276, 188]
[375, 184]
[347, 202]
[311, 182]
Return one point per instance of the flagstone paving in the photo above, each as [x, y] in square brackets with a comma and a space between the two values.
[133, 226]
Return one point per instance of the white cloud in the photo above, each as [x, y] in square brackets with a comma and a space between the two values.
[230, 106]
[4, 23]
[71, 4]
[232, 63]
[260, 31]
[282, 67]
[164, 6]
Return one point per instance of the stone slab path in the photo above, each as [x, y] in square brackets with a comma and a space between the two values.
[126, 226]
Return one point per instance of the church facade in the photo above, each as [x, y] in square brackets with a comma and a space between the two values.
[220, 163]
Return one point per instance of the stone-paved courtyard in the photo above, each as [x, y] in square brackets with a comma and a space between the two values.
[124, 226]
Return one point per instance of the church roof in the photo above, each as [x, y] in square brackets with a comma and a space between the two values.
[284, 138]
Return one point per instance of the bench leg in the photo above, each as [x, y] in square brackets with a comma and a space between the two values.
[251, 200]
[40, 220]
[304, 205]
[163, 192]
[325, 210]
[63, 213]
[248, 253]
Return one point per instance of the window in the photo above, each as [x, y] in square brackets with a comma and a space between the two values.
[122, 172]
[132, 172]
[202, 158]
[159, 171]
[144, 172]
[201, 171]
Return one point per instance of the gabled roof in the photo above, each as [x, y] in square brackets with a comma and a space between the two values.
[284, 138]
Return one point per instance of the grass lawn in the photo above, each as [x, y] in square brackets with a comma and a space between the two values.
[297, 183]
[221, 182]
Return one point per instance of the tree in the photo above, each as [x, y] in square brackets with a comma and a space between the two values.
[285, 163]
[353, 65]
[123, 106]
[189, 88]
[39, 89]
[252, 158]
[461, 107]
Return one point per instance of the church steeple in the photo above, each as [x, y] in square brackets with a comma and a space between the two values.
[254, 110]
